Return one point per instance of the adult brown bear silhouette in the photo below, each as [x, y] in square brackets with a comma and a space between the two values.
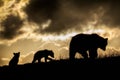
[14, 61]
[82, 43]
[43, 53]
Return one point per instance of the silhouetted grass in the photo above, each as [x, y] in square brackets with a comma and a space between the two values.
[59, 68]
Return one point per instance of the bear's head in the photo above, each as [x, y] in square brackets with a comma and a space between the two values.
[103, 43]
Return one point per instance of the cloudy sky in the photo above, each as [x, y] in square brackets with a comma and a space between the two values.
[31, 25]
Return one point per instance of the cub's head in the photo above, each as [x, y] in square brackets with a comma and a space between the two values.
[51, 53]
[16, 54]
[103, 43]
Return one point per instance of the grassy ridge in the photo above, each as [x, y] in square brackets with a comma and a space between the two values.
[60, 67]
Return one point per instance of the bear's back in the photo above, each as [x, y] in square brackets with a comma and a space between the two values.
[86, 40]
[81, 38]
[86, 37]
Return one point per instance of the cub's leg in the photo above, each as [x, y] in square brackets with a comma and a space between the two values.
[46, 57]
[39, 60]
[33, 61]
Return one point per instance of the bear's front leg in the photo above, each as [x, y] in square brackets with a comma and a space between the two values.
[72, 54]
[93, 53]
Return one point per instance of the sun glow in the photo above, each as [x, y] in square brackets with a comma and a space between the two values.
[95, 31]
[60, 37]
[102, 30]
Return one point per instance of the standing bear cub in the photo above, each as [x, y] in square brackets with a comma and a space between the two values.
[14, 61]
[43, 53]
[82, 43]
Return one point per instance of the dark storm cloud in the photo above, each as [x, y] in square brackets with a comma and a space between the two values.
[40, 10]
[73, 14]
[11, 26]
[112, 15]
[1, 3]
[67, 14]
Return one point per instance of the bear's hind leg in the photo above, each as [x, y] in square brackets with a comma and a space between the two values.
[39, 60]
[84, 54]
[72, 54]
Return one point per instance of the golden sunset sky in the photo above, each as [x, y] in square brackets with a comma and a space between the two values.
[27, 26]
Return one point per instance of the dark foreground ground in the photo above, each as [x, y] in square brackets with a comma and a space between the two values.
[61, 69]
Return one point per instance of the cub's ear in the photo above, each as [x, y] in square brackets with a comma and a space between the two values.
[106, 39]
[14, 53]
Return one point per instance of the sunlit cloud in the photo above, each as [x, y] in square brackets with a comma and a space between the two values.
[26, 58]
[110, 52]
[64, 21]
[12, 18]
[4, 61]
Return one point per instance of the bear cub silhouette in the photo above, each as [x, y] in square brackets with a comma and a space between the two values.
[43, 53]
[14, 61]
[82, 43]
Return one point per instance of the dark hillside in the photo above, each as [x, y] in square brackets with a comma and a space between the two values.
[60, 68]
